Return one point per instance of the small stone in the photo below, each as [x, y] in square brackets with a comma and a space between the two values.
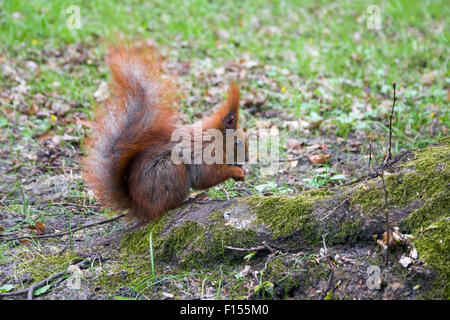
[405, 261]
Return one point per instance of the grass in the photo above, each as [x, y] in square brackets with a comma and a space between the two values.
[314, 39]
[317, 61]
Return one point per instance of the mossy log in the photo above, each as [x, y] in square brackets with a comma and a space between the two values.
[417, 185]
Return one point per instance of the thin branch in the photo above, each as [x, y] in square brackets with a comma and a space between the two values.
[55, 235]
[291, 159]
[241, 190]
[324, 245]
[262, 247]
[334, 210]
[226, 192]
[394, 85]
[386, 209]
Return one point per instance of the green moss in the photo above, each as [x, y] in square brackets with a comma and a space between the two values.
[433, 209]
[422, 182]
[429, 181]
[281, 275]
[138, 241]
[433, 246]
[284, 215]
[43, 266]
[189, 244]
[319, 193]
[276, 270]
[430, 222]
[301, 273]
[185, 235]
[367, 198]
[349, 231]
[423, 177]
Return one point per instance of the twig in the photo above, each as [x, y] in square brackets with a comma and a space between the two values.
[96, 206]
[55, 235]
[271, 257]
[394, 85]
[370, 154]
[325, 253]
[384, 189]
[226, 192]
[241, 189]
[262, 247]
[340, 205]
[386, 209]
[291, 159]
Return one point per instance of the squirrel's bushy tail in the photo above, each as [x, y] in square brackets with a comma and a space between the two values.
[139, 115]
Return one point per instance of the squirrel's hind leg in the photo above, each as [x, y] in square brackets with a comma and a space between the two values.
[161, 186]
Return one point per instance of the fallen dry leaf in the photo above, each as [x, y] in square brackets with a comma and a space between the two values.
[45, 136]
[319, 158]
[317, 147]
[395, 238]
[40, 228]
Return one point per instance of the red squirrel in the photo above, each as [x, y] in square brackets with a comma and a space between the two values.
[129, 163]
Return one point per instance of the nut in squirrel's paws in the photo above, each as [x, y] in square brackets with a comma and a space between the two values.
[240, 173]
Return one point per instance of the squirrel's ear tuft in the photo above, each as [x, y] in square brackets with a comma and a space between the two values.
[232, 101]
[231, 105]
[226, 117]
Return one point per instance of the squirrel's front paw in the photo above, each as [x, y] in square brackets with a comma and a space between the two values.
[238, 174]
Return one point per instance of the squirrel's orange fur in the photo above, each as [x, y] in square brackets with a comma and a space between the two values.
[128, 163]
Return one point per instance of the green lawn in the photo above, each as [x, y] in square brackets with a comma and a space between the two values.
[313, 40]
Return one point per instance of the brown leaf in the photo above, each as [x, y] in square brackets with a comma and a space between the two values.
[394, 239]
[318, 147]
[34, 109]
[40, 228]
[45, 136]
[319, 158]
